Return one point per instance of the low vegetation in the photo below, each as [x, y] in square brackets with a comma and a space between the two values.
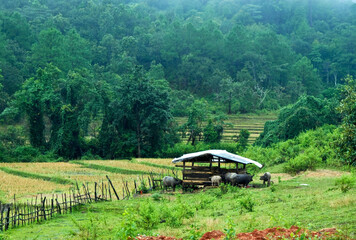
[308, 201]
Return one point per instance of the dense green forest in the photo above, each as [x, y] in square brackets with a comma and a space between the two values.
[105, 78]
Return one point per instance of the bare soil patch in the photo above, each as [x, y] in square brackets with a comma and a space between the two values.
[322, 173]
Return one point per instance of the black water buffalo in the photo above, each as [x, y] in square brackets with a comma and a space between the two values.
[171, 182]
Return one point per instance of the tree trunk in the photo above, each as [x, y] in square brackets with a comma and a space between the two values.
[138, 135]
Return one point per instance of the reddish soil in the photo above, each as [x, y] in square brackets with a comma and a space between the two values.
[213, 235]
[269, 233]
[280, 233]
[157, 238]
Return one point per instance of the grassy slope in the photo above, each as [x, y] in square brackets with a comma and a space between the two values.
[313, 207]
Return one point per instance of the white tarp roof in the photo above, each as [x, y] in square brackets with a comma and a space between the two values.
[217, 153]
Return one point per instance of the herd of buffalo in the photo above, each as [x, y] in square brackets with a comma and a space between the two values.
[233, 179]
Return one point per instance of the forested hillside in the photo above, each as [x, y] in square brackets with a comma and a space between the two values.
[106, 77]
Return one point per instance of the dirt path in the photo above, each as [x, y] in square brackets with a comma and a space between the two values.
[320, 173]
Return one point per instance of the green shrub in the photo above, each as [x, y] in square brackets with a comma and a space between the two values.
[194, 233]
[223, 188]
[127, 228]
[230, 229]
[148, 215]
[157, 196]
[345, 182]
[303, 162]
[247, 203]
[25, 153]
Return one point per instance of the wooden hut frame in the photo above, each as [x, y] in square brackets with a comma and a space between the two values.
[200, 166]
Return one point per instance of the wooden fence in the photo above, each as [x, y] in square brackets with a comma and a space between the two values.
[42, 207]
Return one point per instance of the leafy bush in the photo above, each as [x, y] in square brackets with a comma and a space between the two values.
[306, 161]
[127, 228]
[25, 153]
[148, 215]
[194, 233]
[247, 202]
[156, 196]
[230, 229]
[345, 182]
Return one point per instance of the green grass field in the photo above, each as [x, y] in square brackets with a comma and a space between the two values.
[308, 200]
[254, 123]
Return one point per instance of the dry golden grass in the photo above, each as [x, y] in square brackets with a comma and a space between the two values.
[160, 161]
[343, 202]
[48, 168]
[126, 164]
[71, 171]
[20, 186]
[321, 173]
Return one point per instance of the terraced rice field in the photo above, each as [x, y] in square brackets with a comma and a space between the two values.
[253, 123]
[80, 171]
[158, 161]
[22, 187]
[126, 164]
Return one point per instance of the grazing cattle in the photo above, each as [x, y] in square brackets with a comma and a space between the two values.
[266, 178]
[236, 179]
[171, 182]
[215, 180]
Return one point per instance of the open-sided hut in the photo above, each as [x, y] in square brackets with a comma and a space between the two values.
[200, 166]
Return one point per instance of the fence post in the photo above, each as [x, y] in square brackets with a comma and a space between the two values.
[1, 216]
[7, 218]
[58, 206]
[43, 208]
[102, 190]
[95, 194]
[112, 187]
[52, 207]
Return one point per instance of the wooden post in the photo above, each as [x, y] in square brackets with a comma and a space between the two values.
[88, 192]
[37, 214]
[43, 209]
[7, 218]
[128, 190]
[110, 193]
[112, 187]
[102, 190]
[135, 186]
[65, 202]
[58, 206]
[70, 203]
[95, 194]
[219, 164]
[1, 217]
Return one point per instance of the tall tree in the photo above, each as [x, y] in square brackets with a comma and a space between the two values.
[347, 142]
[140, 116]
